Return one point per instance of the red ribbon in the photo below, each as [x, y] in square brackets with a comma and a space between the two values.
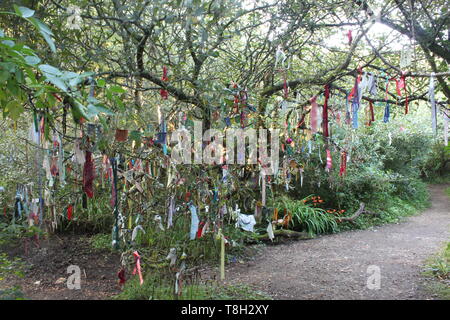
[325, 112]
[371, 116]
[137, 268]
[401, 84]
[387, 89]
[350, 37]
[302, 120]
[200, 229]
[343, 168]
[163, 92]
[406, 104]
[236, 100]
[57, 97]
[236, 104]
[54, 167]
[355, 87]
[164, 76]
[121, 275]
[69, 212]
[242, 119]
[88, 175]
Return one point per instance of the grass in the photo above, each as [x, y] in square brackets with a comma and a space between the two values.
[438, 269]
[153, 289]
[447, 192]
[14, 293]
[392, 210]
[14, 268]
[101, 241]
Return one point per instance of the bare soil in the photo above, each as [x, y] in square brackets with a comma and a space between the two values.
[46, 264]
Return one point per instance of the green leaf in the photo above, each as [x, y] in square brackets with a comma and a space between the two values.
[49, 41]
[78, 110]
[214, 54]
[104, 123]
[48, 69]
[14, 109]
[135, 135]
[9, 43]
[117, 89]
[8, 66]
[32, 60]
[45, 32]
[4, 75]
[19, 76]
[101, 83]
[93, 110]
[41, 26]
[24, 12]
[104, 110]
[57, 82]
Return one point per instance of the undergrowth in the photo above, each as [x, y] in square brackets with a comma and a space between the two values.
[438, 268]
[154, 289]
[10, 267]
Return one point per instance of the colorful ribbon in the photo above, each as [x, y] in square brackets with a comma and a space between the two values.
[343, 167]
[194, 221]
[371, 114]
[69, 212]
[314, 115]
[433, 104]
[329, 160]
[163, 92]
[88, 175]
[386, 113]
[137, 268]
[325, 112]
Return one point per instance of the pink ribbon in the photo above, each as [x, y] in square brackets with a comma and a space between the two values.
[329, 161]
[137, 268]
[314, 114]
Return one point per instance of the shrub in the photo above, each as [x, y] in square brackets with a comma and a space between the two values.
[305, 217]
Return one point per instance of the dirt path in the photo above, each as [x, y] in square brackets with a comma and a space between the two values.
[335, 266]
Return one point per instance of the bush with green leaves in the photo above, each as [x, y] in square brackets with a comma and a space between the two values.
[305, 217]
[193, 289]
[10, 267]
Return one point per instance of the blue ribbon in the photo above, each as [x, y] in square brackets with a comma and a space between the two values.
[386, 113]
[355, 108]
[194, 221]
